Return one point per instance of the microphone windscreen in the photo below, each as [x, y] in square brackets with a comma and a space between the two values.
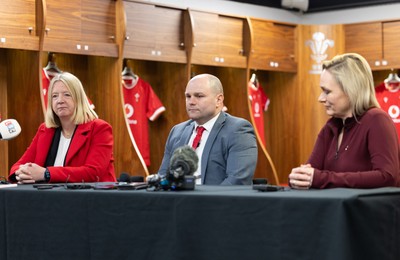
[124, 177]
[184, 160]
[9, 129]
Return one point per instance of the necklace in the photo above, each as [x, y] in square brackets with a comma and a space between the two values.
[68, 134]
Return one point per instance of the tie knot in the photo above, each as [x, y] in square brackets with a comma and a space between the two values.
[200, 129]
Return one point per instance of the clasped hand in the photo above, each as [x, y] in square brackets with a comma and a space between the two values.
[301, 177]
[29, 173]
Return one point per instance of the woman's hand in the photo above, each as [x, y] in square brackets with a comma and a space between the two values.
[29, 173]
[301, 177]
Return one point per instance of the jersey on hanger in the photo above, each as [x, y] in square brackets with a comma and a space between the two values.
[259, 103]
[389, 100]
[141, 105]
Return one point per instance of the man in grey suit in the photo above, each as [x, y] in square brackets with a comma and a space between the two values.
[227, 150]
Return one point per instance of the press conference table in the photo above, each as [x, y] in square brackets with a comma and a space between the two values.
[211, 222]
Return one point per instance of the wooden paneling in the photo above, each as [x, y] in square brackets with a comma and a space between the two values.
[18, 25]
[281, 124]
[3, 111]
[309, 112]
[19, 99]
[23, 99]
[366, 40]
[273, 46]
[218, 40]
[377, 41]
[84, 27]
[154, 33]
[59, 14]
[391, 43]
[98, 21]
[17, 17]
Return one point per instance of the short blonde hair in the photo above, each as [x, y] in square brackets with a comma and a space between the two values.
[83, 112]
[353, 73]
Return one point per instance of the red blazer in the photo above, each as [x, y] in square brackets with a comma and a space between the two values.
[89, 157]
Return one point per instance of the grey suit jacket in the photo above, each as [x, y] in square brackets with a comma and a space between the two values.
[230, 153]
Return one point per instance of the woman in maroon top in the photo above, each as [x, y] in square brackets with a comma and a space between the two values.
[358, 147]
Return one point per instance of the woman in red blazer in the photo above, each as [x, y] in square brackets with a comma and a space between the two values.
[73, 145]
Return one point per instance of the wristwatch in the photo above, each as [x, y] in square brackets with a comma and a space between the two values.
[47, 175]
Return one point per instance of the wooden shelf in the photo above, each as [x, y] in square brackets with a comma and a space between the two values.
[273, 46]
[218, 40]
[376, 41]
[154, 33]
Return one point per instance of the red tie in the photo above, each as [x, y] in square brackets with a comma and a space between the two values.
[196, 141]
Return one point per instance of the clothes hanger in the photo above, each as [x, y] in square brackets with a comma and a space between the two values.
[51, 65]
[392, 82]
[392, 78]
[127, 71]
[253, 78]
[254, 81]
[128, 76]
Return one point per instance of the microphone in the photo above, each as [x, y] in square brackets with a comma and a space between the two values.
[137, 179]
[153, 179]
[124, 177]
[127, 178]
[128, 182]
[184, 161]
[9, 129]
[183, 164]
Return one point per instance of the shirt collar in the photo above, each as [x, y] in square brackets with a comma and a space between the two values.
[210, 123]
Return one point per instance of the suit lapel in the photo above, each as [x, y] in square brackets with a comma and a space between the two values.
[210, 141]
[45, 140]
[78, 140]
[187, 132]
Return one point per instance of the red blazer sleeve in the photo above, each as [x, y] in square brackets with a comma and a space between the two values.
[38, 149]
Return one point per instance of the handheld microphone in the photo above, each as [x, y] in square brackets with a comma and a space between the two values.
[9, 129]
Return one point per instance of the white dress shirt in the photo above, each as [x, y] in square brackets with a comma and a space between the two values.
[199, 151]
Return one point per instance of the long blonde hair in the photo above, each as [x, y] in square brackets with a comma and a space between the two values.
[353, 73]
[83, 112]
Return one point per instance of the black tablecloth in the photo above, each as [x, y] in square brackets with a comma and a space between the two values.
[211, 222]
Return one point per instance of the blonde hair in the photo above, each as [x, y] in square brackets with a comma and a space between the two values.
[83, 112]
[353, 73]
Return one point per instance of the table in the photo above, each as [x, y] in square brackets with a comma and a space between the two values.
[211, 222]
